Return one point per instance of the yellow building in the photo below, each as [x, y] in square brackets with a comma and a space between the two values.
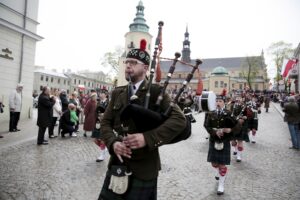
[218, 73]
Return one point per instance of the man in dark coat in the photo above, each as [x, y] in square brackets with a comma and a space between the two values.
[64, 100]
[45, 104]
[135, 149]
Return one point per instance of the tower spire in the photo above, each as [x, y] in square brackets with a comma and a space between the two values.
[186, 52]
[139, 22]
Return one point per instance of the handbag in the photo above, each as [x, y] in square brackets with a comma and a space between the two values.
[119, 179]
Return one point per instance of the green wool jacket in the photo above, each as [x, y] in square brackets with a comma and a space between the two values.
[144, 162]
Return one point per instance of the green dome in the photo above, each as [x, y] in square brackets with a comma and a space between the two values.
[219, 71]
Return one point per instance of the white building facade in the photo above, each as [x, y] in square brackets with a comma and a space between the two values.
[69, 81]
[18, 23]
[139, 30]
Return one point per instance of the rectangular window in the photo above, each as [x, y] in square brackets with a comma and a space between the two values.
[241, 86]
[65, 82]
[47, 78]
[179, 75]
[216, 84]
[222, 84]
[41, 87]
[58, 81]
[74, 81]
[256, 86]
[78, 81]
[51, 79]
[42, 78]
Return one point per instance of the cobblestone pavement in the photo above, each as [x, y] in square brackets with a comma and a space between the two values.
[66, 168]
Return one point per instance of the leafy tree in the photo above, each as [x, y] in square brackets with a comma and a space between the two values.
[279, 51]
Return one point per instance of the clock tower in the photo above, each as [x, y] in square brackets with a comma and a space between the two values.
[138, 30]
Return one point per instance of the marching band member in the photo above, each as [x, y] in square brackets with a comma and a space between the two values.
[253, 109]
[240, 113]
[135, 155]
[220, 125]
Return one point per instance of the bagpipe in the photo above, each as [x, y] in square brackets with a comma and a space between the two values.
[146, 119]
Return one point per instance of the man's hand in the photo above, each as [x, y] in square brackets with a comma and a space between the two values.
[134, 141]
[226, 130]
[120, 150]
[219, 133]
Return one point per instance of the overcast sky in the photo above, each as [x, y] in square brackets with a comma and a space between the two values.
[77, 33]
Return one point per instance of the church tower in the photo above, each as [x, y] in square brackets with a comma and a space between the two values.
[138, 30]
[186, 51]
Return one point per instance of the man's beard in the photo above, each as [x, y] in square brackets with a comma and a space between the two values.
[130, 78]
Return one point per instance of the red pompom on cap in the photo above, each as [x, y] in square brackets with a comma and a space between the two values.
[143, 44]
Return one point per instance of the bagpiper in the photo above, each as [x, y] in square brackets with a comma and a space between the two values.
[253, 109]
[239, 112]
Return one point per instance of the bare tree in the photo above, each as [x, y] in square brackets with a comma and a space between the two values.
[111, 60]
[250, 69]
[279, 51]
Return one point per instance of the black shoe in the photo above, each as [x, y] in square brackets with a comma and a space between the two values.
[43, 143]
[234, 153]
[220, 193]
[14, 130]
[17, 129]
[217, 178]
[52, 136]
[1, 136]
[84, 135]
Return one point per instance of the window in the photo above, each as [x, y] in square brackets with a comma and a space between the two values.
[67, 91]
[256, 86]
[222, 84]
[51, 79]
[232, 85]
[68, 82]
[225, 85]
[41, 87]
[241, 86]
[74, 81]
[216, 84]
[58, 81]
[78, 81]
[42, 77]
[84, 83]
[179, 75]
[65, 82]
[47, 78]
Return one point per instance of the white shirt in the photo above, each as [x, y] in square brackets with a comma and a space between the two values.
[57, 108]
[15, 100]
[136, 86]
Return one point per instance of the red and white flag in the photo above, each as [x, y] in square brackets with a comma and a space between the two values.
[290, 64]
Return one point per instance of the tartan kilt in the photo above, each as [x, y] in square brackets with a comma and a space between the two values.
[253, 124]
[243, 134]
[137, 190]
[219, 156]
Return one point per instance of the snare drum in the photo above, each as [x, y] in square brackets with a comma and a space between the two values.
[207, 101]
